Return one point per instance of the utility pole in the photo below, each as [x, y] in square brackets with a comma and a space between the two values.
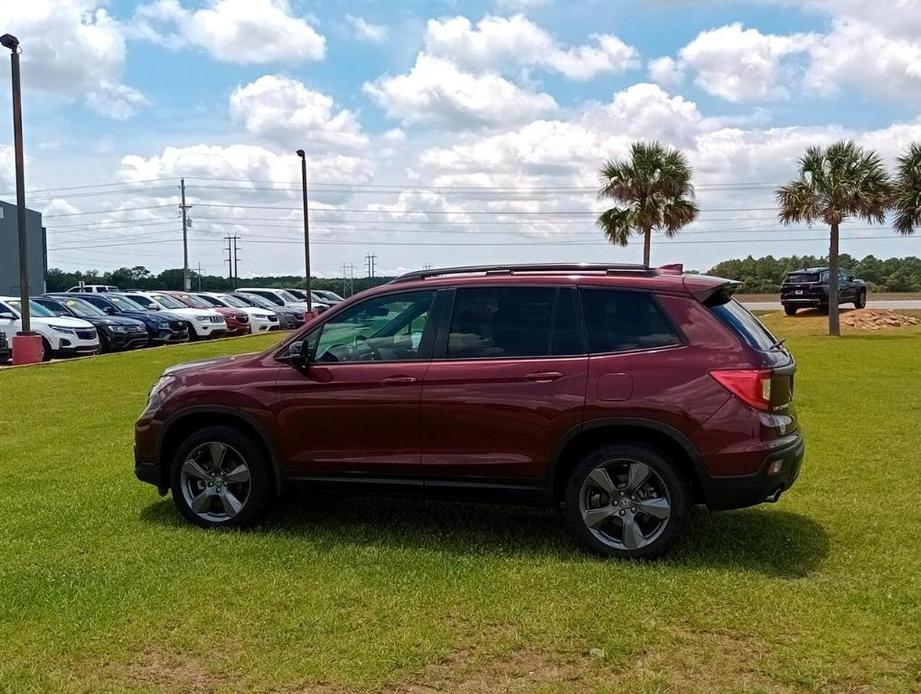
[185, 238]
[303, 156]
[370, 258]
[343, 280]
[236, 260]
[351, 278]
[199, 277]
[232, 258]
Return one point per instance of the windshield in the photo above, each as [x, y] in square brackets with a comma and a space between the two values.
[232, 301]
[167, 301]
[288, 296]
[83, 309]
[330, 295]
[34, 308]
[256, 300]
[124, 303]
[195, 301]
[211, 301]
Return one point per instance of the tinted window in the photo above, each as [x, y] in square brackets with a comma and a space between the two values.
[385, 328]
[744, 324]
[492, 322]
[802, 278]
[619, 321]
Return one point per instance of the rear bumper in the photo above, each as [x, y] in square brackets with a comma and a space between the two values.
[724, 493]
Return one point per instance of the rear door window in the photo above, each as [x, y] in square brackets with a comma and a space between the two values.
[621, 321]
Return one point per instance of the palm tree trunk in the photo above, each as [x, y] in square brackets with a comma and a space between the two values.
[834, 325]
[647, 238]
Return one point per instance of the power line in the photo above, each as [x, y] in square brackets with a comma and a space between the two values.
[123, 209]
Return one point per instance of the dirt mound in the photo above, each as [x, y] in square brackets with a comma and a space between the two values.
[876, 319]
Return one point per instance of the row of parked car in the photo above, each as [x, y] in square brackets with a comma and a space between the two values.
[96, 318]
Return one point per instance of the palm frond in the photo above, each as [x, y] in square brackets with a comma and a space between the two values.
[617, 225]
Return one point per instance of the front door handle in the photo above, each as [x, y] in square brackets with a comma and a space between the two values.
[398, 381]
[544, 376]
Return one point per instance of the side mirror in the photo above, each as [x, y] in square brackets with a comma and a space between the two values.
[110, 310]
[153, 307]
[294, 355]
[849, 278]
[6, 315]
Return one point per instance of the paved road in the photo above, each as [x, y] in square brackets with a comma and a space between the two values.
[776, 306]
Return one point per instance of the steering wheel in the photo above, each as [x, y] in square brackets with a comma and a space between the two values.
[371, 348]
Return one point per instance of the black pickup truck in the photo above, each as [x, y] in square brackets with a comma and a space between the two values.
[808, 288]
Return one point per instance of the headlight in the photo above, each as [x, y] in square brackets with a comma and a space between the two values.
[118, 328]
[202, 318]
[64, 329]
[155, 392]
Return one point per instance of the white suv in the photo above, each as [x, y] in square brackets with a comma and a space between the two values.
[279, 297]
[260, 320]
[93, 289]
[61, 336]
[202, 322]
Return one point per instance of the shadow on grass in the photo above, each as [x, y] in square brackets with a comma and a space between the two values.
[779, 543]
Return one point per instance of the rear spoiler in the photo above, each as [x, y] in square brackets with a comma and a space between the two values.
[709, 290]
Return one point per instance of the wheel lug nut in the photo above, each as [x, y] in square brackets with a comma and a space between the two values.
[633, 508]
[622, 513]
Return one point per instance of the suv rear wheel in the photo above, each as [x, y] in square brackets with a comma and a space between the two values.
[220, 477]
[626, 500]
[861, 301]
[790, 310]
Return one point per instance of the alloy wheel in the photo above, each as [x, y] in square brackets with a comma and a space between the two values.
[625, 504]
[215, 481]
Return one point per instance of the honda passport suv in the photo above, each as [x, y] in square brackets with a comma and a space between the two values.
[623, 394]
[808, 288]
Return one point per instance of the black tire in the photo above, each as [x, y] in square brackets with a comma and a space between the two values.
[790, 310]
[46, 350]
[250, 451]
[103, 344]
[613, 457]
[193, 336]
[861, 300]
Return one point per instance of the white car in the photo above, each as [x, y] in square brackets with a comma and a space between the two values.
[260, 320]
[93, 289]
[62, 336]
[279, 297]
[202, 322]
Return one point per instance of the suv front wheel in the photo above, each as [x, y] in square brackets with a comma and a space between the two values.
[220, 477]
[626, 500]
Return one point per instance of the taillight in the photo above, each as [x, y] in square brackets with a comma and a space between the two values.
[753, 386]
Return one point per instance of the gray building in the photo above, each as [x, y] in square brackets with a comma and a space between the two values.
[9, 251]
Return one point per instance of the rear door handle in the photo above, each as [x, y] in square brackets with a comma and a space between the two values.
[544, 376]
[398, 381]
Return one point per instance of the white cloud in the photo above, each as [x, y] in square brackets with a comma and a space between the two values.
[234, 31]
[665, 71]
[285, 111]
[73, 48]
[436, 91]
[858, 54]
[496, 42]
[247, 162]
[367, 30]
[646, 111]
[739, 64]
[7, 173]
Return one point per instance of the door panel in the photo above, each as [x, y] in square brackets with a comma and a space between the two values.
[351, 418]
[498, 419]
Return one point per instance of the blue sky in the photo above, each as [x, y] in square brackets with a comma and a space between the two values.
[440, 132]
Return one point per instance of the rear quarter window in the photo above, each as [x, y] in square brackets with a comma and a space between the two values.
[744, 324]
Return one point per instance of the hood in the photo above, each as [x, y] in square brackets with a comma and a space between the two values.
[66, 321]
[117, 320]
[202, 365]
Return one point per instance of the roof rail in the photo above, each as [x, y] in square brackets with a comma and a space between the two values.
[610, 268]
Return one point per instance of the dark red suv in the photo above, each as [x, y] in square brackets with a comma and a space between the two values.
[623, 393]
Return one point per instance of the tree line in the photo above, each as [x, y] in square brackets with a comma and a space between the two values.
[764, 275]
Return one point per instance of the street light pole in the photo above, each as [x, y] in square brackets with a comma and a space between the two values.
[303, 157]
[11, 42]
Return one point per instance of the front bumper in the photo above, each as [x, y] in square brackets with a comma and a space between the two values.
[724, 493]
[124, 341]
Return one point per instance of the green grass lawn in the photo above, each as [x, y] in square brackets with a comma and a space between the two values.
[104, 588]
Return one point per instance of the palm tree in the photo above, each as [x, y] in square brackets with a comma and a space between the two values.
[654, 187]
[843, 180]
[907, 201]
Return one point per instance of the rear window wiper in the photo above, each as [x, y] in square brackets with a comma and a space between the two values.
[778, 344]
